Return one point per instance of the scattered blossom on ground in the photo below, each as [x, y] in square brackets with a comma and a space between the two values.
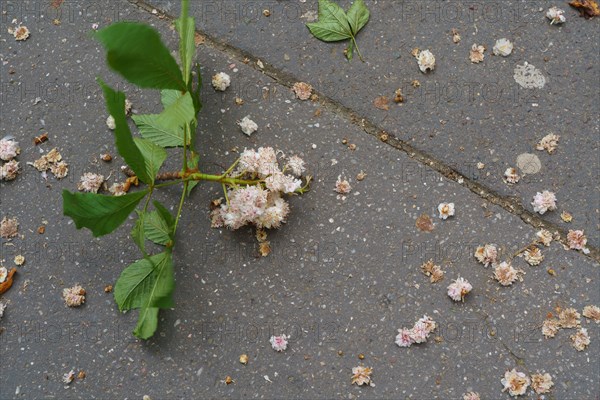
[248, 126]
[592, 312]
[476, 53]
[90, 182]
[74, 296]
[9, 227]
[569, 318]
[434, 272]
[342, 186]
[9, 148]
[487, 254]
[515, 382]
[580, 339]
[533, 255]
[279, 343]
[505, 273]
[541, 383]
[426, 61]
[419, 333]
[361, 375]
[503, 47]
[548, 143]
[459, 289]
[471, 396]
[511, 175]
[544, 201]
[544, 237]
[446, 210]
[550, 327]
[556, 15]
[221, 81]
[302, 90]
[576, 240]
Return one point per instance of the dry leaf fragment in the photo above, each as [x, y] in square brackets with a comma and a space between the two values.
[108, 288]
[424, 223]
[198, 39]
[8, 281]
[264, 248]
[228, 380]
[398, 98]
[382, 103]
[81, 375]
[587, 8]
[40, 139]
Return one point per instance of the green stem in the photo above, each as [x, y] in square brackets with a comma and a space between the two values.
[185, 184]
[357, 49]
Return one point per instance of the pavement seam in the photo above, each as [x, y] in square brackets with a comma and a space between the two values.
[510, 204]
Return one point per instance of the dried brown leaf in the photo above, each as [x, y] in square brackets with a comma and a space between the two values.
[382, 102]
[587, 8]
[424, 223]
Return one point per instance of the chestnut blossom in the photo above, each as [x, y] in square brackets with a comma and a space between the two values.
[9, 148]
[279, 343]
[342, 186]
[20, 32]
[556, 15]
[118, 189]
[53, 156]
[592, 312]
[541, 383]
[302, 90]
[550, 327]
[68, 377]
[404, 338]
[60, 169]
[248, 126]
[433, 271]
[2, 308]
[221, 81]
[9, 227]
[446, 210]
[426, 61]
[569, 318]
[503, 47]
[505, 273]
[487, 254]
[459, 289]
[361, 375]
[544, 201]
[3, 274]
[515, 382]
[580, 339]
[90, 182]
[296, 165]
[9, 170]
[511, 175]
[471, 396]
[533, 255]
[279, 182]
[74, 296]
[476, 53]
[544, 237]
[576, 240]
[548, 143]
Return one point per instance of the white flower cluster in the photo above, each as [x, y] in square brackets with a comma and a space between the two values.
[9, 149]
[74, 296]
[426, 60]
[556, 15]
[417, 334]
[221, 81]
[260, 205]
[279, 343]
[544, 201]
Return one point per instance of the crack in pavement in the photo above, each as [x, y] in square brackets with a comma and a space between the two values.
[511, 204]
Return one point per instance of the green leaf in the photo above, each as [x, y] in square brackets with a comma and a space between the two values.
[154, 156]
[156, 229]
[166, 129]
[187, 47]
[115, 103]
[165, 214]
[137, 233]
[358, 16]
[169, 96]
[153, 129]
[146, 283]
[100, 214]
[147, 323]
[332, 25]
[136, 51]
